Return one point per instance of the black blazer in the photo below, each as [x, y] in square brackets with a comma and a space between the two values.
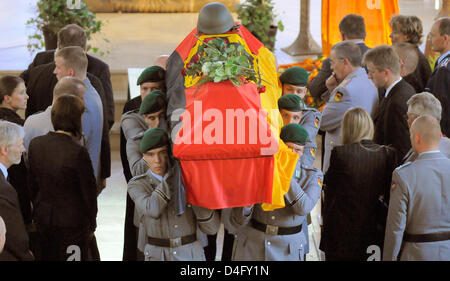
[41, 81]
[419, 78]
[95, 66]
[439, 86]
[317, 86]
[17, 242]
[359, 174]
[391, 126]
[62, 182]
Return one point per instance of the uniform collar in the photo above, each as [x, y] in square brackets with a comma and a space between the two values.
[443, 56]
[4, 170]
[392, 86]
[158, 177]
[430, 155]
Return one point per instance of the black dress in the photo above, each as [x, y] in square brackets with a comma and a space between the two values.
[353, 216]
[64, 193]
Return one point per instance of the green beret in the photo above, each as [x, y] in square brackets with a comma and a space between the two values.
[152, 74]
[154, 138]
[295, 76]
[294, 133]
[153, 102]
[291, 102]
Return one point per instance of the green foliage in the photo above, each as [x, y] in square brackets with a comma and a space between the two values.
[55, 14]
[217, 61]
[257, 16]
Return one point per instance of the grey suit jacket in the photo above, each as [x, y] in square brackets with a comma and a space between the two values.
[355, 90]
[419, 204]
[255, 245]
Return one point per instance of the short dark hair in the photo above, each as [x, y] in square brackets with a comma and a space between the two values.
[74, 58]
[7, 85]
[352, 27]
[72, 35]
[383, 57]
[444, 26]
[66, 114]
[348, 50]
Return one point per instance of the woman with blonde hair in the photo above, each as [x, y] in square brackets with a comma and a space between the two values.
[355, 185]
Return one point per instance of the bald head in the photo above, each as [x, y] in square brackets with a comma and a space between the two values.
[2, 234]
[425, 134]
[161, 61]
[70, 86]
[409, 57]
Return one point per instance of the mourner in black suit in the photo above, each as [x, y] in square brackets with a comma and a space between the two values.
[17, 242]
[353, 29]
[63, 185]
[391, 127]
[358, 177]
[17, 246]
[439, 83]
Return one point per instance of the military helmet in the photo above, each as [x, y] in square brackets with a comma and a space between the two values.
[214, 18]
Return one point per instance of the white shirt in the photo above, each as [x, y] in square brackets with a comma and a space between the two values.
[392, 86]
[4, 170]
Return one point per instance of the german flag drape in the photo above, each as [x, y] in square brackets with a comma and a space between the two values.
[228, 139]
[376, 14]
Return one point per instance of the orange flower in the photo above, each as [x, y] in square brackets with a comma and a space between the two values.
[309, 100]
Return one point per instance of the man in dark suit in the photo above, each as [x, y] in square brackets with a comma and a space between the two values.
[391, 127]
[11, 149]
[439, 82]
[353, 29]
[74, 35]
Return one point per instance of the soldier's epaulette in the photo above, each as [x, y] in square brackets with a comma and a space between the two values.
[139, 177]
[404, 165]
[132, 111]
[138, 136]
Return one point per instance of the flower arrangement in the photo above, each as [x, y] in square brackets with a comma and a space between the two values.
[218, 60]
[312, 66]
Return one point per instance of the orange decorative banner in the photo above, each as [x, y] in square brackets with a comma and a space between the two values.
[376, 14]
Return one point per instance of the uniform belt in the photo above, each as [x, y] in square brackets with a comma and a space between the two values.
[273, 229]
[431, 237]
[172, 243]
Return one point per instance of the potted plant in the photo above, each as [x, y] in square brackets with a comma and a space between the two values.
[54, 15]
[258, 17]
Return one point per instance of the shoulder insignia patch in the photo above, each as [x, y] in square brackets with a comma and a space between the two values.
[132, 111]
[313, 151]
[338, 96]
[319, 181]
[139, 177]
[316, 122]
